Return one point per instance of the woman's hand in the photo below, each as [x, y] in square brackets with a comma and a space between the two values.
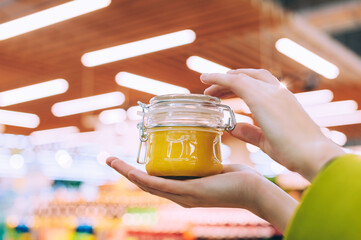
[235, 187]
[239, 186]
[286, 132]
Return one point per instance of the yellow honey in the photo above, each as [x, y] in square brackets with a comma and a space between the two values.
[183, 151]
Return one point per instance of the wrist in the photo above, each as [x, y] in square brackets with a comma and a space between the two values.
[325, 152]
[260, 185]
[274, 205]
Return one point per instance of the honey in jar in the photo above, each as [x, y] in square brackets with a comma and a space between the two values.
[183, 135]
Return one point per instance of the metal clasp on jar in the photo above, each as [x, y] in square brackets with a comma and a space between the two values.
[143, 135]
[231, 120]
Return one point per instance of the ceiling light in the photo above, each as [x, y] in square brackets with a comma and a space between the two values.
[102, 157]
[87, 104]
[19, 119]
[17, 161]
[148, 85]
[314, 97]
[32, 92]
[339, 120]
[52, 135]
[332, 108]
[49, 16]
[277, 168]
[252, 148]
[137, 48]
[243, 119]
[338, 137]
[122, 128]
[113, 116]
[132, 113]
[63, 158]
[55, 131]
[307, 58]
[203, 65]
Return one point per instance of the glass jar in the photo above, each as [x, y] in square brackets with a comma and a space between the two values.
[182, 133]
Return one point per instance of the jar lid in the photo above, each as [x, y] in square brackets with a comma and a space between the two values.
[184, 97]
[187, 110]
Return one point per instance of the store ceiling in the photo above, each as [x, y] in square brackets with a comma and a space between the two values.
[234, 33]
[341, 19]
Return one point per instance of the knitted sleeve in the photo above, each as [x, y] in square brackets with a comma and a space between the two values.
[331, 206]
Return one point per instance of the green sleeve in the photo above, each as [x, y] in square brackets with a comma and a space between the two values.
[331, 207]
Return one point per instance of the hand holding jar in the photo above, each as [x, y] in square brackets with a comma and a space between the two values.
[286, 133]
[238, 186]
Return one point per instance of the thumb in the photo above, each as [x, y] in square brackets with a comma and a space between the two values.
[248, 133]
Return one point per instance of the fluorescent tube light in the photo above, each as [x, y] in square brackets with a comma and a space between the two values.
[63, 158]
[55, 131]
[332, 108]
[87, 104]
[306, 99]
[102, 157]
[17, 161]
[19, 119]
[243, 119]
[339, 120]
[137, 48]
[132, 113]
[252, 148]
[147, 85]
[338, 137]
[307, 58]
[53, 135]
[113, 116]
[32, 92]
[203, 65]
[49, 16]
[314, 97]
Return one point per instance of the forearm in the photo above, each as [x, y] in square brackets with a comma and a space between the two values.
[274, 205]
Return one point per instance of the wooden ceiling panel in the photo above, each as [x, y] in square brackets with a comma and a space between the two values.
[234, 33]
[12, 9]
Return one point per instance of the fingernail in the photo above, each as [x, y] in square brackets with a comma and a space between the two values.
[109, 161]
[204, 76]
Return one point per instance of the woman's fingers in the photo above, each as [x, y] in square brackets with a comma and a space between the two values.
[249, 133]
[161, 184]
[219, 91]
[176, 191]
[179, 199]
[119, 166]
[238, 83]
[260, 74]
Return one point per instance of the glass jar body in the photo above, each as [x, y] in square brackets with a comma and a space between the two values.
[183, 152]
[182, 133]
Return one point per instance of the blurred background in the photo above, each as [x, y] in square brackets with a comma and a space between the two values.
[71, 73]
